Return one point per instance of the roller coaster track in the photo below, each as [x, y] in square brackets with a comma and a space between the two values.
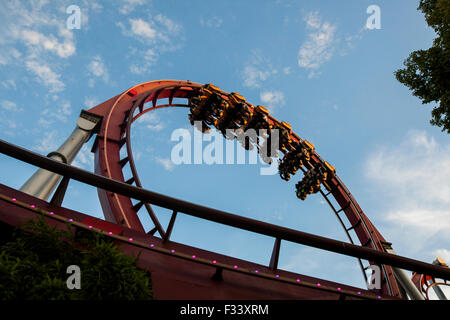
[119, 113]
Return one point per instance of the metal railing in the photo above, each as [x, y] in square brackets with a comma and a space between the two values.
[180, 206]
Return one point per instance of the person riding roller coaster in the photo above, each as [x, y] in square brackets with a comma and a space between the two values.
[213, 107]
[298, 155]
[311, 182]
[257, 121]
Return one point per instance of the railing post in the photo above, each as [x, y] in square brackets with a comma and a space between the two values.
[275, 254]
[225, 218]
[166, 236]
[58, 196]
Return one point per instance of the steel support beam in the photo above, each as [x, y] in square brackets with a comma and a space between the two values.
[42, 183]
[440, 294]
[404, 280]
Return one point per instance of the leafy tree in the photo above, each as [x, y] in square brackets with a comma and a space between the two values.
[427, 72]
[34, 260]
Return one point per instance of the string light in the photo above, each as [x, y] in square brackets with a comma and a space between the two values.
[133, 92]
[193, 256]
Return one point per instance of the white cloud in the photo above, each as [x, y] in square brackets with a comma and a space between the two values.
[95, 5]
[7, 55]
[159, 32]
[64, 48]
[62, 111]
[350, 40]
[12, 124]
[45, 122]
[23, 24]
[314, 74]
[10, 106]
[59, 112]
[98, 69]
[45, 75]
[272, 99]
[143, 29]
[253, 76]
[34, 36]
[287, 70]
[319, 47]
[149, 117]
[419, 168]
[424, 221]
[211, 22]
[9, 84]
[414, 178]
[130, 5]
[313, 20]
[297, 260]
[47, 143]
[155, 30]
[84, 159]
[90, 102]
[257, 70]
[169, 25]
[151, 121]
[166, 163]
[321, 264]
[155, 127]
[8, 126]
[149, 59]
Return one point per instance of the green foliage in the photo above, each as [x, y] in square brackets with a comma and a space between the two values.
[34, 261]
[427, 72]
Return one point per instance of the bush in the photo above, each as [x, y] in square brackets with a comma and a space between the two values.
[34, 261]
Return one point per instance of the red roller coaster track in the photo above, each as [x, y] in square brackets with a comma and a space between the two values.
[119, 113]
[175, 265]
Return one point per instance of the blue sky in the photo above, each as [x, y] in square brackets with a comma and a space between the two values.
[312, 63]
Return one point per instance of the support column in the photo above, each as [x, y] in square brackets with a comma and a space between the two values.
[440, 294]
[404, 280]
[43, 182]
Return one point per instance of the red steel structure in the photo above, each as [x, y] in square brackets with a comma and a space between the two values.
[118, 114]
[116, 194]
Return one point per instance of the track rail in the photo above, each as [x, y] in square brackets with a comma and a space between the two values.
[146, 243]
[119, 114]
[112, 137]
[222, 217]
